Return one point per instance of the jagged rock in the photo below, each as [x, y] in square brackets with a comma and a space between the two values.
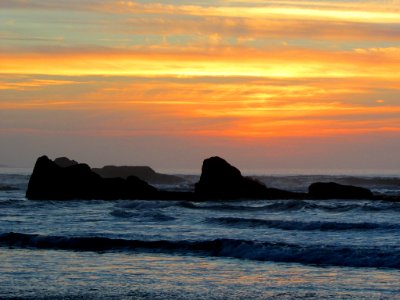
[50, 181]
[143, 172]
[332, 190]
[219, 179]
[65, 162]
[78, 181]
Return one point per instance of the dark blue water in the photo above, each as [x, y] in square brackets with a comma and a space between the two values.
[336, 249]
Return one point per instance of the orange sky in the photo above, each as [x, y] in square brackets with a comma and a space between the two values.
[205, 78]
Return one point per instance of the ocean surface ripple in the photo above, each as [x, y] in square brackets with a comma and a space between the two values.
[303, 249]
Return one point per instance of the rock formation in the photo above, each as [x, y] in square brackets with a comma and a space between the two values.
[64, 179]
[145, 173]
[220, 180]
[332, 190]
[64, 162]
[77, 181]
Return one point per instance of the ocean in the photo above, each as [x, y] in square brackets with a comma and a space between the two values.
[264, 249]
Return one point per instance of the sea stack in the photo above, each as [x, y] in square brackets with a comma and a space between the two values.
[65, 179]
[49, 181]
[220, 180]
[332, 190]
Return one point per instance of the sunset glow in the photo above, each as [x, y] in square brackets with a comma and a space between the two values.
[254, 73]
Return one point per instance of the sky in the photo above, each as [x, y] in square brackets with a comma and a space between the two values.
[272, 86]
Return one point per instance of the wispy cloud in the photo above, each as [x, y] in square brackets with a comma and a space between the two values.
[363, 11]
[246, 70]
[216, 61]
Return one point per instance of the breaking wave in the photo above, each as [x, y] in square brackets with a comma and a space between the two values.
[296, 205]
[299, 225]
[274, 206]
[350, 256]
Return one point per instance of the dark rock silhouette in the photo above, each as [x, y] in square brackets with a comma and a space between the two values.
[332, 190]
[50, 181]
[130, 188]
[145, 173]
[64, 162]
[220, 180]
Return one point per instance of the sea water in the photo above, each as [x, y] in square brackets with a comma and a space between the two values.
[280, 249]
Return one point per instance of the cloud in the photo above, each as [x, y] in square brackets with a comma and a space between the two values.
[218, 68]
[215, 61]
[258, 28]
[193, 107]
[364, 12]
[32, 84]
